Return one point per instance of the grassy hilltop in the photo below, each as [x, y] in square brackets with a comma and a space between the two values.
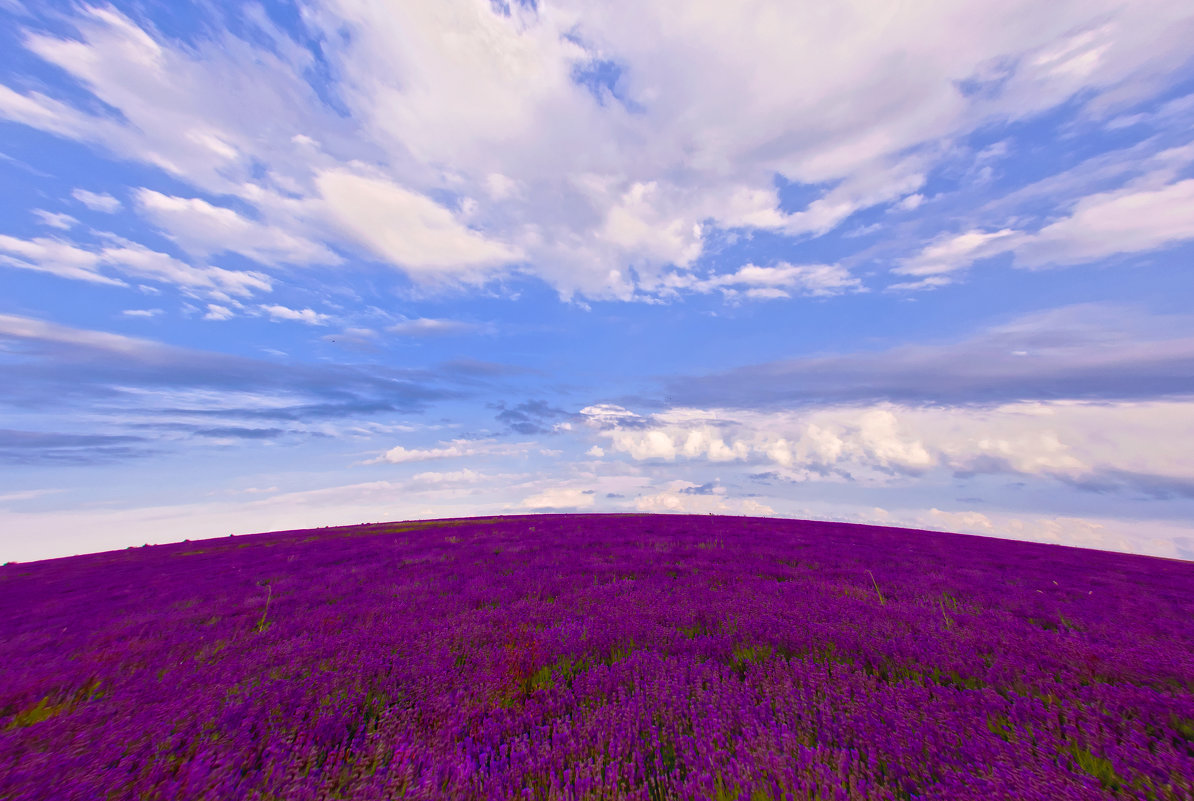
[598, 657]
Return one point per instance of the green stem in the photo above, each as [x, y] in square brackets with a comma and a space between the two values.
[881, 601]
[268, 594]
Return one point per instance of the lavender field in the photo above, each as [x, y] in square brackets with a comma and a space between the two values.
[598, 657]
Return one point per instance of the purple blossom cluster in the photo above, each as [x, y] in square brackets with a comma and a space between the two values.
[598, 657]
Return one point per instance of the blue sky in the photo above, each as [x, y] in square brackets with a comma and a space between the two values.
[290, 264]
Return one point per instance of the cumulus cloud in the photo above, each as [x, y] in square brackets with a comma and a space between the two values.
[635, 224]
[1128, 446]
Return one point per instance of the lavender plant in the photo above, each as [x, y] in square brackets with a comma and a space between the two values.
[598, 657]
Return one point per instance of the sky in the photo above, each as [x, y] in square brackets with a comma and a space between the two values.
[274, 265]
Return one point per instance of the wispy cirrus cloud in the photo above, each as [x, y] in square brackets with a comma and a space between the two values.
[432, 327]
[1151, 211]
[204, 229]
[117, 258]
[97, 201]
[455, 449]
[63, 222]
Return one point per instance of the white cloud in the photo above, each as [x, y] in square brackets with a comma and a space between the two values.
[142, 312]
[427, 326]
[779, 281]
[607, 414]
[63, 222]
[218, 313]
[1152, 537]
[596, 452]
[1102, 225]
[1129, 220]
[97, 201]
[133, 260]
[674, 500]
[645, 445]
[1149, 537]
[454, 449]
[39, 111]
[453, 97]
[25, 495]
[407, 229]
[205, 229]
[42, 331]
[559, 498]
[138, 261]
[867, 184]
[308, 316]
[1149, 213]
[635, 224]
[950, 252]
[500, 186]
[182, 108]
[932, 282]
[61, 530]
[65, 530]
[881, 436]
[449, 478]
[814, 280]
[1142, 444]
[54, 256]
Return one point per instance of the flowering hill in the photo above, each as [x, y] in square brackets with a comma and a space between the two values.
[598, 657]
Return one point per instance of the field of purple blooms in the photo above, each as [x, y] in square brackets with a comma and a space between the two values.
[598, 657]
